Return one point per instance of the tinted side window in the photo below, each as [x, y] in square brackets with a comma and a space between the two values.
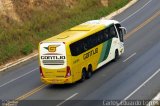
[106, 34]
[118, 28]
[93, 40]
[112, 32]
[76, 48]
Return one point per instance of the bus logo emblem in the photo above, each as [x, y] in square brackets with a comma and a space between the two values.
[52, 48]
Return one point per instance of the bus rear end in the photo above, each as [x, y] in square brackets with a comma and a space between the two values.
[53, 63]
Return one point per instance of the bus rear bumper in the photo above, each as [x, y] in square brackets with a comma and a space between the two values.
[56, 80]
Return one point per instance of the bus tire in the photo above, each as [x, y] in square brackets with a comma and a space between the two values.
[83, 77]
[116, 56]
[89, 72]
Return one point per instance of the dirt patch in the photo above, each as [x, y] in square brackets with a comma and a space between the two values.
[105, 2]
[20, 9]
[7, 9]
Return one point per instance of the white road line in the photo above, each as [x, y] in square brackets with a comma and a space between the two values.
[18, 77]
[136, 11]
[139, 87]
[67, 99]
[129, 57]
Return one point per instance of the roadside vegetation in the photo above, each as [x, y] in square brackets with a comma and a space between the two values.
[18, 39]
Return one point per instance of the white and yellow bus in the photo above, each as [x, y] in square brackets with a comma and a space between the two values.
[74, 54]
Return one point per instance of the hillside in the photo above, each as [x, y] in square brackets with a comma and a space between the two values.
[19, 10]
[24, 23]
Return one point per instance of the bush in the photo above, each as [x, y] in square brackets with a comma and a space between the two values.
[27, 49]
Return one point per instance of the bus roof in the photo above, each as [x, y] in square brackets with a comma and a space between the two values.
[81, 31]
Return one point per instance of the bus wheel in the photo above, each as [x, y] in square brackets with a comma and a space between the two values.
[89, 72]
[116, 55]
[83, 75]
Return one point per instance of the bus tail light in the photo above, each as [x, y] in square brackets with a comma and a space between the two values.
[68, 72]
[40, 69]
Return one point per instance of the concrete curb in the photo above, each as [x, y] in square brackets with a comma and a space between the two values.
[17, 62]
[24, 59]
[155, 101]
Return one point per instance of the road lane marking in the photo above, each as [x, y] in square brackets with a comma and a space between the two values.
[136, 11]
[67, 99]
[129, 57]
[31, 92]
[143, 84]
[18, 77]
[142, 25]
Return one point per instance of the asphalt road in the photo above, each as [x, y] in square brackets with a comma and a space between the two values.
[136, 75]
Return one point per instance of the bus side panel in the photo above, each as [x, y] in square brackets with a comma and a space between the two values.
[97, 57]
[75, 67]
[105, 55]
[74, 63]
[114, 46]
[84, 60]
[91, 57]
